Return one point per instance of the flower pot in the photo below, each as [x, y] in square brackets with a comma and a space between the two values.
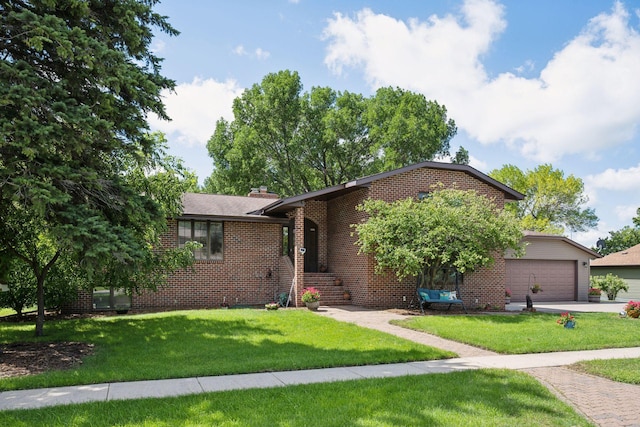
[571, 324]
[337, 282]
[507, 300]
[594, 298]
[346, 296]
[313, 306]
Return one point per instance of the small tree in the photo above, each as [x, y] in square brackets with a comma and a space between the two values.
[450, 228]
[611, 284]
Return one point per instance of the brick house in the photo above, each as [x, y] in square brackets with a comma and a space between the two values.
[252, 244]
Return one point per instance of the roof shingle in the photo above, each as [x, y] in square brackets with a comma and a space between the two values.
[220, 205]
[628, 257]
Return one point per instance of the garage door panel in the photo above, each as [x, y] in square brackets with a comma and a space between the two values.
[556, 278]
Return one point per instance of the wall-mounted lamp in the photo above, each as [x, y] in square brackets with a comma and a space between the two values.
[585, 263]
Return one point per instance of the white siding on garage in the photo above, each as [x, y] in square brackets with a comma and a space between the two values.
[631, 275]
[556, 277]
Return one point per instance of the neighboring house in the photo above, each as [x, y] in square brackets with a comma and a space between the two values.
[558, 264]
[252, 245]
[624, 264]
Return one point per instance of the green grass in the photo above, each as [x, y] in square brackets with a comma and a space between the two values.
[621, 370]
[531, 332]
[478, 398]
[10, 311]
[211, 342]
[6, 312]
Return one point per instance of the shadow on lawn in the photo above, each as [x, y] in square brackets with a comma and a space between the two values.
[182, 345]
[488, 397]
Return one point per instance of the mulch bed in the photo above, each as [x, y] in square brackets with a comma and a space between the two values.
[29, 358]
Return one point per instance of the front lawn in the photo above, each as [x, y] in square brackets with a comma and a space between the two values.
[621, 370]
[478, 398]
[531, 332]
[210, 342]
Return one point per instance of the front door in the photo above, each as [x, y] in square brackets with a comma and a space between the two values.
[311, 244]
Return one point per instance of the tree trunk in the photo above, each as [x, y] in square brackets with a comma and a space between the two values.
[40, 303]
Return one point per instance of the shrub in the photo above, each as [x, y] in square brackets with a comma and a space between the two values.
[22, 288]
[611, 284]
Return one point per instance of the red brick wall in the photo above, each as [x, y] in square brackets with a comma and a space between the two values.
[486, 286]
[248, 275]
[252, 271]
[342, 253]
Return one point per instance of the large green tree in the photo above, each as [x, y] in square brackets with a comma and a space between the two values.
[622, 239]
[552, 201]
[295, 141]
[77, 80]
[451, 228]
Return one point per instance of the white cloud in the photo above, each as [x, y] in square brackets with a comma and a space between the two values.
[615, 179]
[262, 54]
[239, 50]
[584, 100]
[194, 108]
[626, 213]
[527, 67]
[158, 46]
[258, 53]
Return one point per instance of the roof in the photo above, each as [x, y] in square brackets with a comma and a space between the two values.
[532, 235]
[627, 258]
[341, 189]
[212, 206]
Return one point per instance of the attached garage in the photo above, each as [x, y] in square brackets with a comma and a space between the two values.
[557, 278]
[559, 265]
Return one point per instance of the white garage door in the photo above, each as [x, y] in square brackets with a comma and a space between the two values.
[556, 278]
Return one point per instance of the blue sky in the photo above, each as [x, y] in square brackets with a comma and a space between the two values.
[527, 81]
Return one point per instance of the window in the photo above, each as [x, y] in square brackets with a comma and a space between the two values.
[108, 298]
[208, 233]
[285, 240]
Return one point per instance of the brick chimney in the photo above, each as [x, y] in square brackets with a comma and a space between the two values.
[262, 193]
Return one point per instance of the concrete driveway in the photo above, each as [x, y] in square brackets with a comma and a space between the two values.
[571, 306]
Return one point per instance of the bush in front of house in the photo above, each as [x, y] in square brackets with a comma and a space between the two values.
[610, 284]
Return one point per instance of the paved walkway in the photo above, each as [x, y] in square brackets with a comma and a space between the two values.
[606, 403]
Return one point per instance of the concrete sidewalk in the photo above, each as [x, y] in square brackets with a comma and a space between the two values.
[38, 398]
[604, 402]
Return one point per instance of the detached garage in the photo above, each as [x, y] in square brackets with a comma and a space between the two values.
[624, 264]
[558, 264]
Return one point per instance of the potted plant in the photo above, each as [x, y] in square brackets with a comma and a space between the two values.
[594, 294]
[507, 296]
[346, 295]
[567, 320]
[311, 298]
[536, 288]
[337, 281]
[610, 285]
[633, 309]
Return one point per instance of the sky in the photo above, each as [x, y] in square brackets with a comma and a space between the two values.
[527, 82]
